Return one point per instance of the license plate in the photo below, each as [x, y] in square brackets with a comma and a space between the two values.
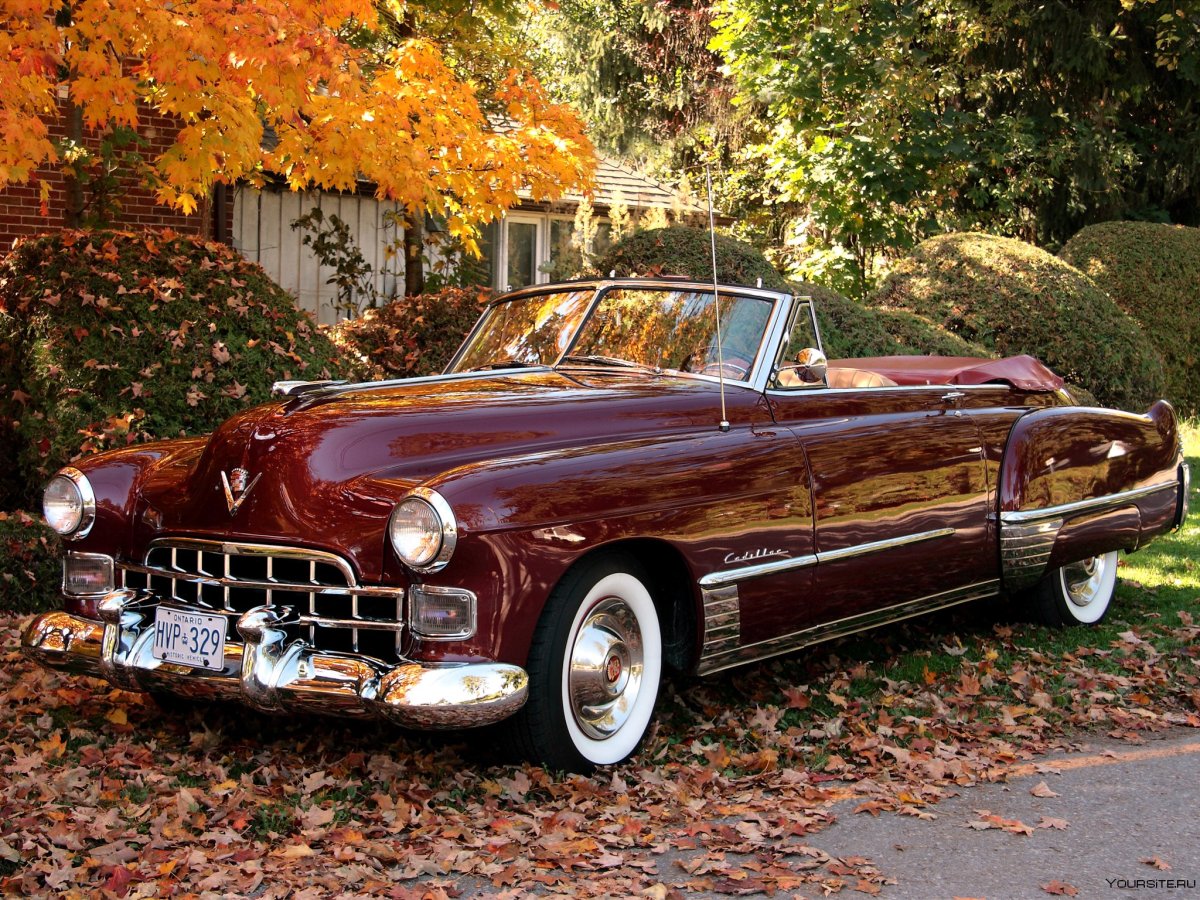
[189, 638]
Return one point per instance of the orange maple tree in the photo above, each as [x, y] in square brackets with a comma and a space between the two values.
[338, 105]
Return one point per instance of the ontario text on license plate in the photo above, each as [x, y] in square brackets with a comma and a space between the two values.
[189, 638]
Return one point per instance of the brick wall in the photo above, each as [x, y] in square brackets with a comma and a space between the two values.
[20, 205]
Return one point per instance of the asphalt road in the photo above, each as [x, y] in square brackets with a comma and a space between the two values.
[1117, 805]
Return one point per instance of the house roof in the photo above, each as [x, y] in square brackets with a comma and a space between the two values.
[616, 182]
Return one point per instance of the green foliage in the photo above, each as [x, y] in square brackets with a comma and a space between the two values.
[30, 564]
[1013, 298]
[118, 337]
[642, 75]
[1153, 273]
[680, 250]
[850, 329]
[335, 248]
[104, 175]
[890, 120]
[411, 336]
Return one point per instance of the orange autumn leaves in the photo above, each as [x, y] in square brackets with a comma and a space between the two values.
[334, 106]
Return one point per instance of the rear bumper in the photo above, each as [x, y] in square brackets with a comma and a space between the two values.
[268, 672]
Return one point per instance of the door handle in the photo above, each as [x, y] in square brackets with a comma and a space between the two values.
[953, 396]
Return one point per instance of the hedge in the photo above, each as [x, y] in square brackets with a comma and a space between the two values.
[850, 329]
[411, 336]
[30, 564]
[117, 337]
[1152, 271]
[1014, 298]
[680, 250]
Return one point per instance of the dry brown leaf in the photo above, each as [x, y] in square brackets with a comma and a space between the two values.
[1060, 888]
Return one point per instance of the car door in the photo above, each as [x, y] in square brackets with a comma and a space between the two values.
[900, 499]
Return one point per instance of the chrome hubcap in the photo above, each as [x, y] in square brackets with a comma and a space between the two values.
[605, 674]
[1082, 580]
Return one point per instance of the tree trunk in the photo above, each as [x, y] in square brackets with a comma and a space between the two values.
[414, 263]
[74, 211]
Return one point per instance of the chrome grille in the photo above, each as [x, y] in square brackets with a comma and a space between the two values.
[332, 612]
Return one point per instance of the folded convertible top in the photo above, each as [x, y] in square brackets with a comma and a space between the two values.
[1022, 372]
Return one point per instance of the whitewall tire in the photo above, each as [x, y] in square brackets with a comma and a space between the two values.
[595, 666]
[1078, 593]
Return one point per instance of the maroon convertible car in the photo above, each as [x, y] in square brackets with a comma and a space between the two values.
[612, 477]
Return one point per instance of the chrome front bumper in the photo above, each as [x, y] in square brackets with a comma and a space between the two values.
[270, 673]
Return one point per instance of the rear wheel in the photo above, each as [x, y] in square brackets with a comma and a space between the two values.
[594, 669]
[1078, 593]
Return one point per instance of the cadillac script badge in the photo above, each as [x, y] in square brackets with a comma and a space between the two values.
[236, 488]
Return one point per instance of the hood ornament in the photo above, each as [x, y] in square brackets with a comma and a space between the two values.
[236, 488]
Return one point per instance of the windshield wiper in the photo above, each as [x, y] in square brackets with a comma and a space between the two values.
[506, 364]
[594, 360]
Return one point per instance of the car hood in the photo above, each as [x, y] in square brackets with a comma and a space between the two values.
[326, 468]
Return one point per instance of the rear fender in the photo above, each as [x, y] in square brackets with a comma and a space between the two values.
[1077, 482]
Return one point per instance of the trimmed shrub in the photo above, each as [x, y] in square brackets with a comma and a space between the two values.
[680, 250]
[118, 337]
[1152, 271]
[30, 564]
[412, 336]
[1014, 298]
[849, 329]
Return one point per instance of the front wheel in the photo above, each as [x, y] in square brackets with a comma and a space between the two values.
[594, 669]
[1078, 593]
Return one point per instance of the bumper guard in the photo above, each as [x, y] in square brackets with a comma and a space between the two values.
[269, 673]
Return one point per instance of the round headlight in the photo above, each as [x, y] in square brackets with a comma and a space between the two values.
[69, 504]
[422, 531]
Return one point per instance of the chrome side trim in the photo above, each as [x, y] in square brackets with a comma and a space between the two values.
[718, 662]
[264, 673]
[733, 576]
[1092, 504]
[722, 620]
[746, 573]
[825, 556]
[890, 388]
[1025, 551]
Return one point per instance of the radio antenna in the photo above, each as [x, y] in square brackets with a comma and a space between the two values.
[723, 425]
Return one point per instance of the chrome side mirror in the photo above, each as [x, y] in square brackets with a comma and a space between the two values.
[810, 366]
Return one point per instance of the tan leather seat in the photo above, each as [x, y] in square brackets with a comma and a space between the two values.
[856, 378]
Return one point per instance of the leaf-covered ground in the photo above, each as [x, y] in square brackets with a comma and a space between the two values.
[100, 790]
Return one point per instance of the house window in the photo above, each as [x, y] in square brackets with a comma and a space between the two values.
[531, 248]
[521, 254]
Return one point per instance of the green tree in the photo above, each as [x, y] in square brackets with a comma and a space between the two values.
[889, 120]
[642, 75]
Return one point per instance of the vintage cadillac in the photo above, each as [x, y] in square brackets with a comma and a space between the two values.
[613, 478]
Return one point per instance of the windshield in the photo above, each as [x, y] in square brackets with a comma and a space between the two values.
[652, 328]
[528, 331]
[675, 329]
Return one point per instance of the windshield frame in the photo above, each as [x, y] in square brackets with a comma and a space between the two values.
[782, 305]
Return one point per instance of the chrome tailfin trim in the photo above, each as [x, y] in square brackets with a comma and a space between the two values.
[1025, 551]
